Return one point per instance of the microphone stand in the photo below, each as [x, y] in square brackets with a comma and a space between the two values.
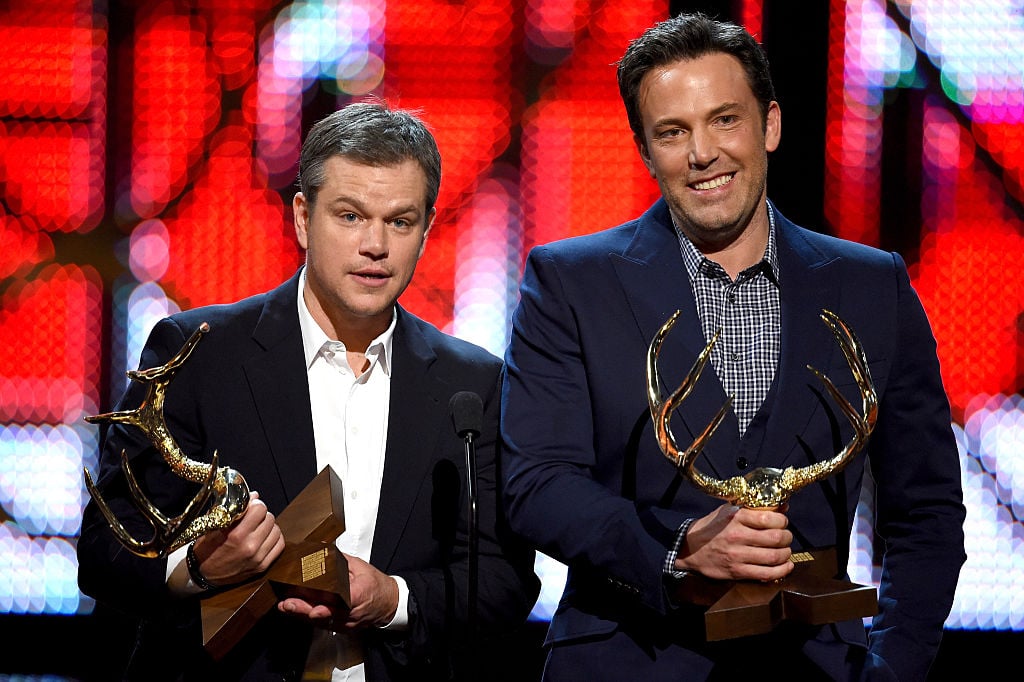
[471, 620]
[467, 416]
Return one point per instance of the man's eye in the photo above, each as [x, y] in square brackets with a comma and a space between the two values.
[349, 217]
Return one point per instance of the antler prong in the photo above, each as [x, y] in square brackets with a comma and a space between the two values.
[229, 487]
[144, 549]
[661, 410]
[863, 422]
[764, 487]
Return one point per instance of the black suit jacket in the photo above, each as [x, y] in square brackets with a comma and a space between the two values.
[244, 393]
[588, 484]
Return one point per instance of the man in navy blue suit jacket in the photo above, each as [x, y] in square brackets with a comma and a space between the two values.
[325, 369]
[586, 481]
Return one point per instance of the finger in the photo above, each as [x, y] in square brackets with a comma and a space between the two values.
[767, 556]
[254, 532]
[752, 563]
[254, 515]
[266, 528]
[321, 612]
[269, 549]
[768, 573]
[298, 607]
[762, 518]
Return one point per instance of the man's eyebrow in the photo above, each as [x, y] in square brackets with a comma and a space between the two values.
[343, 200]
[355, 203]
[725, 107]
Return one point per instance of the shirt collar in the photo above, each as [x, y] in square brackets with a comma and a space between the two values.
[314, 339]
[693, 259]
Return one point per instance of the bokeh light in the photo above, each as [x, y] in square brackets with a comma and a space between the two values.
[185, 200]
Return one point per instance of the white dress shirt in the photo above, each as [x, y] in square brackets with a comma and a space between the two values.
[350, 425]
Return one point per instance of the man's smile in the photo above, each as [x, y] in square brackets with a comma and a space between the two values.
[713, 182]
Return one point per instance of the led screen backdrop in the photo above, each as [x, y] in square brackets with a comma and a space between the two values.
[148, 151]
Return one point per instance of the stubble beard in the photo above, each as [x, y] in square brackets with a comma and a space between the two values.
[719, 229]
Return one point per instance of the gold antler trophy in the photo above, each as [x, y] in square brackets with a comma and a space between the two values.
[811, 593]
[310, 566]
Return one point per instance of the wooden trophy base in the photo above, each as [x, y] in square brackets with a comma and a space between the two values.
[311, 567]
[810, 594]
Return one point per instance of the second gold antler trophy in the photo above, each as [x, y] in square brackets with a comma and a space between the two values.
[811, 593]
[310, 566]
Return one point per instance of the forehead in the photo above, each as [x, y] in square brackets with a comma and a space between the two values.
[705, 82]
[401, 183]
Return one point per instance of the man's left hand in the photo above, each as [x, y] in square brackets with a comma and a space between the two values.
[373, 596]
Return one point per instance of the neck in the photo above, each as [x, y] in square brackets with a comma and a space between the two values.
[738, 252]
[745, 251]
[355, 333]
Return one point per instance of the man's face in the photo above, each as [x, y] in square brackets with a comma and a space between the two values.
[706, 143]
[362, 237]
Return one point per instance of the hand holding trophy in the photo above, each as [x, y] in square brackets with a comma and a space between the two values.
[310, 567]
[811, 593]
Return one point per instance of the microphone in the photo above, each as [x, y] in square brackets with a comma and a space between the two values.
[467, 412]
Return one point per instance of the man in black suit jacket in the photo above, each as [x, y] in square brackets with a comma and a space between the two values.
[324, 369]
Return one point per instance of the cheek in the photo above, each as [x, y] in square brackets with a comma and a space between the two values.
[670, 162]
[331, 239]
[410, 257]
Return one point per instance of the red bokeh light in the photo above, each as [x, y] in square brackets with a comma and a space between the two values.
[176, 104]
[228, 236]
[50, 358]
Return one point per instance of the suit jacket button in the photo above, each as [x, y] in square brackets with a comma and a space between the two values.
[741, 462]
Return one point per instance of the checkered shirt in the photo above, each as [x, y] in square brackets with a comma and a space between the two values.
[748, 313]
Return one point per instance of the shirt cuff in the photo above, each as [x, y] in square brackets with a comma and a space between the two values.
[179, 582]
[669, 567]
[400, 621]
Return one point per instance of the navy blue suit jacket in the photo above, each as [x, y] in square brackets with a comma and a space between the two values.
[244, 393]
[588, 484]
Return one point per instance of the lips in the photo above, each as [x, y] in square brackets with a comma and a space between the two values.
[713, 182]
[372, 276]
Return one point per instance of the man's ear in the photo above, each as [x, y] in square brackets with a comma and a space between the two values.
[300, 211]
[773, 127]
[426, 231]
[645, 156]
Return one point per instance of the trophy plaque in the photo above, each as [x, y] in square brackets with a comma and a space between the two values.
[310, 567]
[811, 593]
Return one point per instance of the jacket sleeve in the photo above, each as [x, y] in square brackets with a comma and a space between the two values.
[552, 493]
[919, 508]
[108, 572]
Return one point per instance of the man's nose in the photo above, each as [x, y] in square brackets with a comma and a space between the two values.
[703, 149]
[375, 239]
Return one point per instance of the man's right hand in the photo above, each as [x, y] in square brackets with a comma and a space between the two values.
[243, 551]
[735, 543]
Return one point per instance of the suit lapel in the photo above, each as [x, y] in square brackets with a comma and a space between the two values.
[280, 391]
[654, 256]
[418, 412]
[807, 284]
